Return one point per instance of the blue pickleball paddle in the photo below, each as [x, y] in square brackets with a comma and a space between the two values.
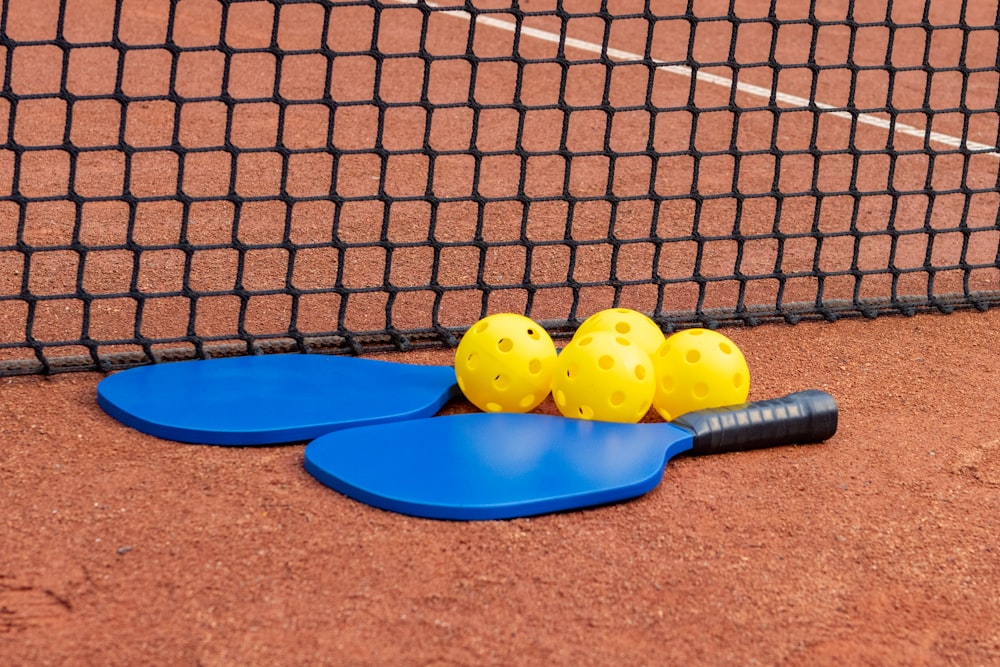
[502, 466]
[271, 399]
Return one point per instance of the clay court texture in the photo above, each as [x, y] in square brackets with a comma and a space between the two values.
[186, 179]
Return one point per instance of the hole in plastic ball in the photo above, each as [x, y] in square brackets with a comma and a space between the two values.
[617, 398]
[700, 390]
[667, 383]
[606, 362]
[692, 356]
[534, 335]
[664, 350]
[481, 327]
[726, 349]
[501, 382]
[494, 407]
[505, 345]
[560, 398]
[623, 328]
[696, 332]
[535, 366]
[640, 373]
[624, 342]
[586, 340]
[586, 412]
[472, 361]
[527, 401]
[571, 371]
[738, 380]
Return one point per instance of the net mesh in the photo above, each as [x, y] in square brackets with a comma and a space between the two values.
[190, 178]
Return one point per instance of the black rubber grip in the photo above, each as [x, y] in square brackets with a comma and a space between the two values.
[800, 418]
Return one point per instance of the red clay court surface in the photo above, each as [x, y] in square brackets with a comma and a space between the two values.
[878, 547]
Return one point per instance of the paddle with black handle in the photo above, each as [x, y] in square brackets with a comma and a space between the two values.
[501, 466]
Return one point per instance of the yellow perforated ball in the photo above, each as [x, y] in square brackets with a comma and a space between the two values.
[504, 363]
[603, 376]
[631, 324]
[698, 369]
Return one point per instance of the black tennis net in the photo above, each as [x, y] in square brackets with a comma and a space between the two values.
[193, 178]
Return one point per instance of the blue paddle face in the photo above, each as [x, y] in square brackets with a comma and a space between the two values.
[494, 466]
[271, 399]
[501, 466]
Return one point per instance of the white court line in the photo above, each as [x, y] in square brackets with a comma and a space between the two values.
[725, 82]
